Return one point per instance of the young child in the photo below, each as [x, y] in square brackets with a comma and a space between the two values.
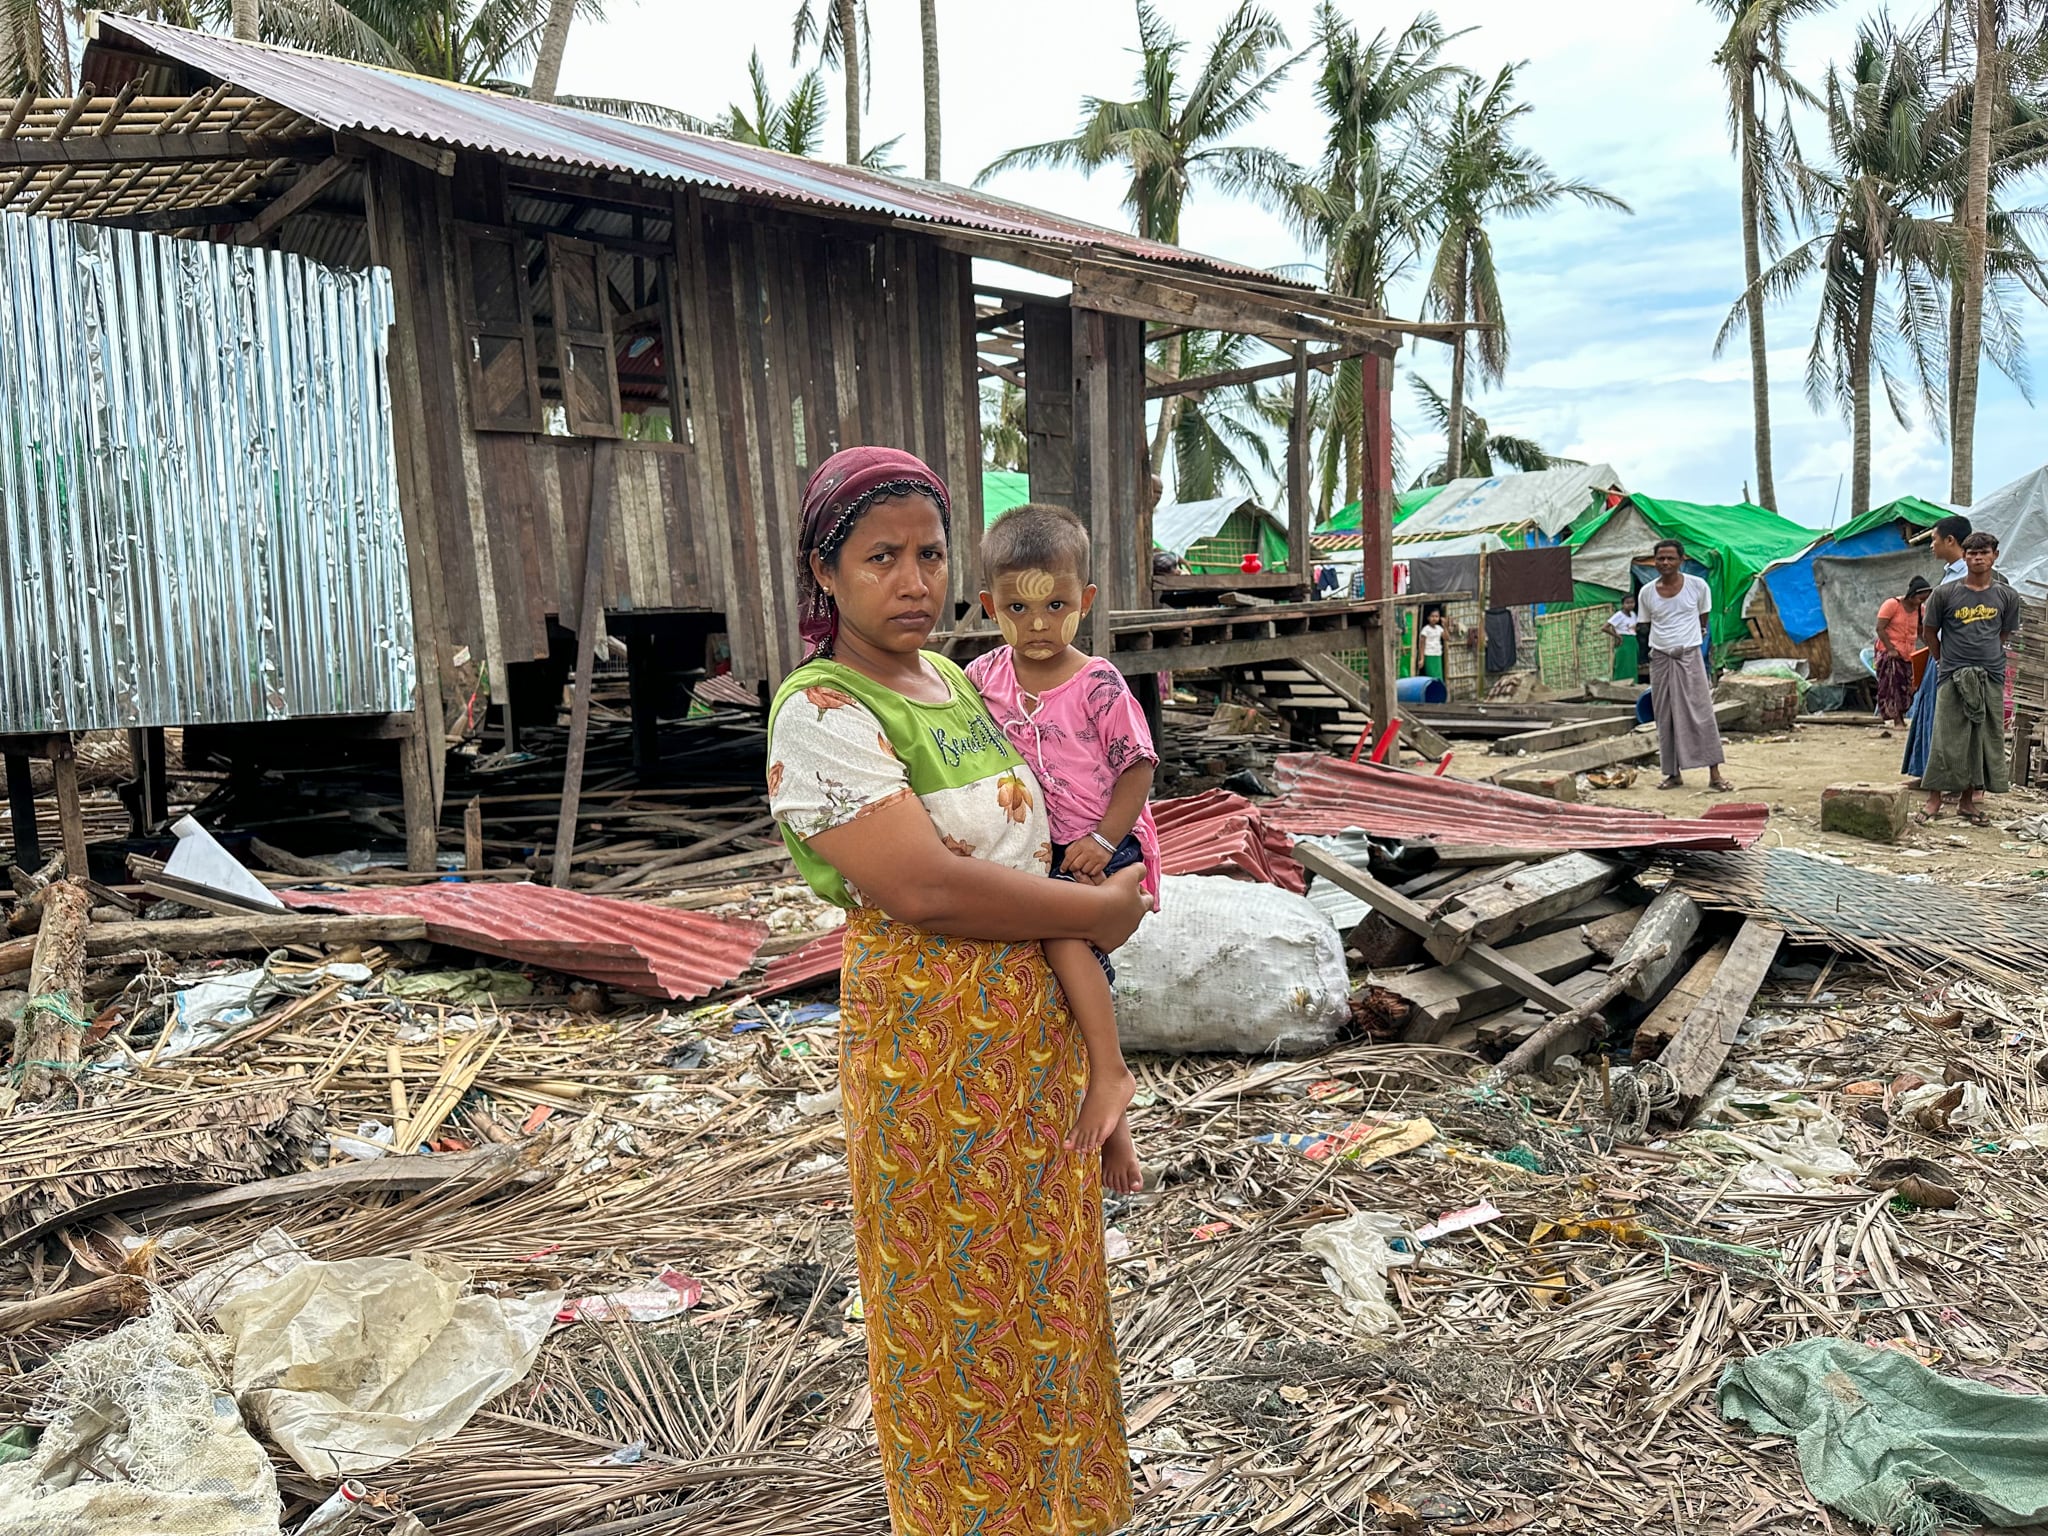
[1430, 639]
[1072, 718]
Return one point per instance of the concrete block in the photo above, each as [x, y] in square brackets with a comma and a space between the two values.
[1551, 786]
[1768, 703]
[1876, 813]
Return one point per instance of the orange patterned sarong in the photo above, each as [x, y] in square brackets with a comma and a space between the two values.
[990, 1357]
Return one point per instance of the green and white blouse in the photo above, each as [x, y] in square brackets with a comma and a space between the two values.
[841, 745]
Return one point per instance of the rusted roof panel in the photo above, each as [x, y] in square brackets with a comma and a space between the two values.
[631, 945]
[1219, 833]
[814, 962]
[359, 98]
[1321, 795]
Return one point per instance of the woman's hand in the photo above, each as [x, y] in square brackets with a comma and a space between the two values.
[1124, 906]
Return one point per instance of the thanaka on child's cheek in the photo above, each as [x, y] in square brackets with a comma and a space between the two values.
[1039, 612]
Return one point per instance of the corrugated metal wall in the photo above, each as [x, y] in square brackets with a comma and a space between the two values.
[197, 483]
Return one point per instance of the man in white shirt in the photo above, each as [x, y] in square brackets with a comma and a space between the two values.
[1676, 607]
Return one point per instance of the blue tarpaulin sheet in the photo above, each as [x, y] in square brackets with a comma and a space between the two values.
[1792, 587]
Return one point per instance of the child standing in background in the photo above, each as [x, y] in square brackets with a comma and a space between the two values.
[1071, 716]
[1430, 643]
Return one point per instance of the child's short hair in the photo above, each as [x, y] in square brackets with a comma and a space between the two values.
[1983, 538]
[1034, 537]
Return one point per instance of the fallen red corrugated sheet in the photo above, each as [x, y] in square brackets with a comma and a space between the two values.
[631, 945]
[1321, 795]
[1219, 833]
[814, 962]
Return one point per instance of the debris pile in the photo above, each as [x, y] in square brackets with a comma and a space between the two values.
[458, 1208]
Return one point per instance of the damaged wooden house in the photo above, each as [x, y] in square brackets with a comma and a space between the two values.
[615, 351]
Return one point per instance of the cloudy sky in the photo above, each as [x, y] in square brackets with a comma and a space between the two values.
[1612, 317]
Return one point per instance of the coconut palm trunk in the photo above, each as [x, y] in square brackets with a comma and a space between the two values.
[1860, 364]
[928, 19]
[1752, 270]
[849, 59]
[1455, 455]
[1969, 340]
[554, 42]
[246, 20]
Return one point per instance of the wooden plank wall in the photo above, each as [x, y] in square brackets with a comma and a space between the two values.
[801, 336]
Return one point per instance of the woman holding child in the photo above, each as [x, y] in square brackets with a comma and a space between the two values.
[977, 1203]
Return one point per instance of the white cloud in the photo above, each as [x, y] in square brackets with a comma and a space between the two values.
[1613, 318]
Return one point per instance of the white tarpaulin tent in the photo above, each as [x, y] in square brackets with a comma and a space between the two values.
[1178, 526]
[1550, 500]
[2018, 514]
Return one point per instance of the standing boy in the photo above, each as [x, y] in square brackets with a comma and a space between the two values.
[1966, 625]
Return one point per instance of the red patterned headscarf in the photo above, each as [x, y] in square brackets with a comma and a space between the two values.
[840, 490]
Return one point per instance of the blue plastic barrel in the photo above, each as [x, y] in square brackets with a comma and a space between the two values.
[1646, 711]
[1420, 690]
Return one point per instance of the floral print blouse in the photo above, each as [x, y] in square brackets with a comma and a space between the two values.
[841, 745]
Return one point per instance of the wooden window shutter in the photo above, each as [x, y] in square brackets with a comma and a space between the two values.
[504, 361]
[583, 338]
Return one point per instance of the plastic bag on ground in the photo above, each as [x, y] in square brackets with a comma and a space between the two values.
[141, 1436]
[1888, 1442]
[350, 1366]
[1356, 1255]
[1231, 966]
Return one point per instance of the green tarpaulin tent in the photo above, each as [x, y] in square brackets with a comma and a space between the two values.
[1345, 519]
[1732, 543]
[1002, 489]
[1911, 509]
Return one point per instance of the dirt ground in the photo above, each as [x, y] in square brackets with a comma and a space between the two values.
[1787, 771]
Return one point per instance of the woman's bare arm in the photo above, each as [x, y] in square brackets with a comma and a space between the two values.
[892, 855]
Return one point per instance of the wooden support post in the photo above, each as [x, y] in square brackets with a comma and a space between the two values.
[1095, 459]
[48, 1038]
[21, 812]
[1376, 525]
[70, 813]
[644, 676]
[1297, 477]
[589, 615]
[1145, 687]
[152, 792]
[422, 814]
[473, 835]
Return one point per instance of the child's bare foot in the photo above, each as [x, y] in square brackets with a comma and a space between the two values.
[1120, 1170]
[1102, 1108]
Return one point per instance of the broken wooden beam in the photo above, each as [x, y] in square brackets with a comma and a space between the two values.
[1502, 908]
[1633, 747]
[1695, 1056]
[1676, 1006]
[225, 935]
[1671, 920]
[1530, 1052]
[52, 1028]
[1572, 733]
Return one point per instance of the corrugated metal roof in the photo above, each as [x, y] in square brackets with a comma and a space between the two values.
[1219, 833]
[359, 98]
[631, 945]
[818, 959]
[199, 514]
[1322, 795]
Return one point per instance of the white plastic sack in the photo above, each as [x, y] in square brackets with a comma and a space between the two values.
[1231, 966]
[351, 1366]
[1356, 1257]
[141, 1437]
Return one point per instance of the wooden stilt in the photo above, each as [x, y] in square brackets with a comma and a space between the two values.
[21, 812]
[589, 615]
[422, 821]
[48, 1038]
[70, 813]
[473, 835]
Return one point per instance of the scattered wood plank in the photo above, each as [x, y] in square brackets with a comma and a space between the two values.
[1671, 920]
[1384, 944]
[1530, 1052]
[1572, 733]
[387, 1175]
[1635, 746]
[1447, 994]
[1498, 909]
[1697, 1053]
[1657, 1030]
[226, 935]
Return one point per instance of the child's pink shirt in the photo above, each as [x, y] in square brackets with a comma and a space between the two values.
[1079, 740]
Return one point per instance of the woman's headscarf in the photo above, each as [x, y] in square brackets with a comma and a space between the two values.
[840, 490]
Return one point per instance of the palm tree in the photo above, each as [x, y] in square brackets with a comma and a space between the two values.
[1174, 133]
[1367, 207]
[1893, 157]
[1004, 444]
[928, 26]
[1484, 448]
[554, 42]
[35, 47]
[1485, 177]
[842, 40]
[795, 126]
[1752, 62]
[1223, 438]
